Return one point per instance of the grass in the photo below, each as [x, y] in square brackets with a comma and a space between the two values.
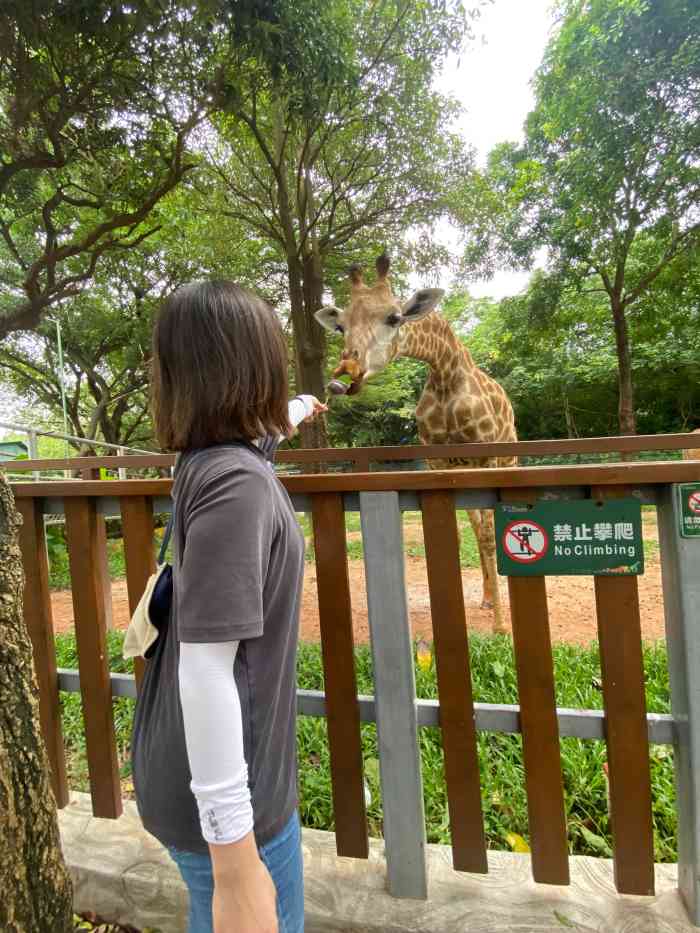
[577, 673]
[469, 552]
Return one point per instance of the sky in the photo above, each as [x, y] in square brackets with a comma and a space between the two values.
[491, 79]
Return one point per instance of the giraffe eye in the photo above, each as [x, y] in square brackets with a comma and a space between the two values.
[394, 319]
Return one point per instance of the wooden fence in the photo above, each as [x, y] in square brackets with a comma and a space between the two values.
[381, 498]
[361, 459]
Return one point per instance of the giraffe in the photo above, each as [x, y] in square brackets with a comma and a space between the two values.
[459, 404]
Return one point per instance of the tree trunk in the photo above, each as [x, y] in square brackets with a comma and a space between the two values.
[626, 411]
[36, 890]
[571, 431]
[314, 434]
[310, 351]
[305, 296]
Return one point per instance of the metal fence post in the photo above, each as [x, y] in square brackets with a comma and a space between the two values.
[121, 452]
[34, 451]
[680, 565]
[395, 695]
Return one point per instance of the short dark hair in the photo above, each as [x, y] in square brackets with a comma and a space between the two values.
[219, 368]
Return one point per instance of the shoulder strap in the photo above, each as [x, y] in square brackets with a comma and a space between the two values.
[167, 534]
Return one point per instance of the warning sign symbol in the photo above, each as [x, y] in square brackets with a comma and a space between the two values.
[526, 541]
[694, 502]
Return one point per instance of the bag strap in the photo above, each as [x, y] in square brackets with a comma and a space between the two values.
[166, 537]
[167, 534]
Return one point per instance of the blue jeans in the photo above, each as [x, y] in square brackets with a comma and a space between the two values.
[281, 855]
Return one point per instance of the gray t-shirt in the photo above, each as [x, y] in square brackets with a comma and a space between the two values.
[237, 570]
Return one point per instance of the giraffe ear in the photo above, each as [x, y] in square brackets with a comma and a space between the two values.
[331, 318]
[421, 303]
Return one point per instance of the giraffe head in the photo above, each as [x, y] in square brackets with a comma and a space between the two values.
[372, 322]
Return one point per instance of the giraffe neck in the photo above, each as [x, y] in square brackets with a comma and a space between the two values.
[433, 341]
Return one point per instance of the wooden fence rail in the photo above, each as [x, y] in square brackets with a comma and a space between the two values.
[361, 458]
[380, 498]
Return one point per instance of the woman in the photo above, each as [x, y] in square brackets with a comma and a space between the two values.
[215, 766]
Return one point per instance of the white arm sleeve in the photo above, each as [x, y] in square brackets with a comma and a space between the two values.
[211, 710]
[299, 408]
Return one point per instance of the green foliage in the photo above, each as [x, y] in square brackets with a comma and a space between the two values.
[322, 140]
[577, 679]
[59, 568]
[106, 331]
[607, 179]
[333, 152]
[611, 147]
[97, 102]
[384, 413]
[307, 45]
[552, 348]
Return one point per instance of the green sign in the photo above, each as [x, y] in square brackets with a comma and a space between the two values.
[570, 537]
[689, 494]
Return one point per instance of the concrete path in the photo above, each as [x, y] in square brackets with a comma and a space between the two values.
[123, 874]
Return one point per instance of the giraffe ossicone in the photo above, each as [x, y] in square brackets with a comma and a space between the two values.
[460, 402]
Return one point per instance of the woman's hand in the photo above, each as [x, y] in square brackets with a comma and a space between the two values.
[245, 898]
[319, 408]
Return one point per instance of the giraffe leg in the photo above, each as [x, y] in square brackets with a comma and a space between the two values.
[488, 579]
[488, 558]
[475, 520]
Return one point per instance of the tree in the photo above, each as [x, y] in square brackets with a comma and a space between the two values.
[552, 348]
[343, 142]
[97, 103]
[106, 347]
[611, 158]
[106, 330]
[37, 892]
[556, 363]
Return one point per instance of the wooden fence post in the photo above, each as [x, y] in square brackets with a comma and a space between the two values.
[626, 730]
[87, 585]
[342, 708]
[462, 776]
[103, 556]
[532, 650]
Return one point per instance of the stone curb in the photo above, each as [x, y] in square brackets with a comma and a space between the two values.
[124, 875]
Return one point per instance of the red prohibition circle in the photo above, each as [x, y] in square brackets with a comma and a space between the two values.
[519, 557]
[694, 502]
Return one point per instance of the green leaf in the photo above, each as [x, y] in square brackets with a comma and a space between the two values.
[372, 770]
[564, 921]
[517, 843]
[596, 842]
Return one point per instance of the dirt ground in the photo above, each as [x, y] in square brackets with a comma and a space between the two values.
[571, 599]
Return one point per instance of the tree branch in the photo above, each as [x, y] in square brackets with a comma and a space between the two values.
[671, 253]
